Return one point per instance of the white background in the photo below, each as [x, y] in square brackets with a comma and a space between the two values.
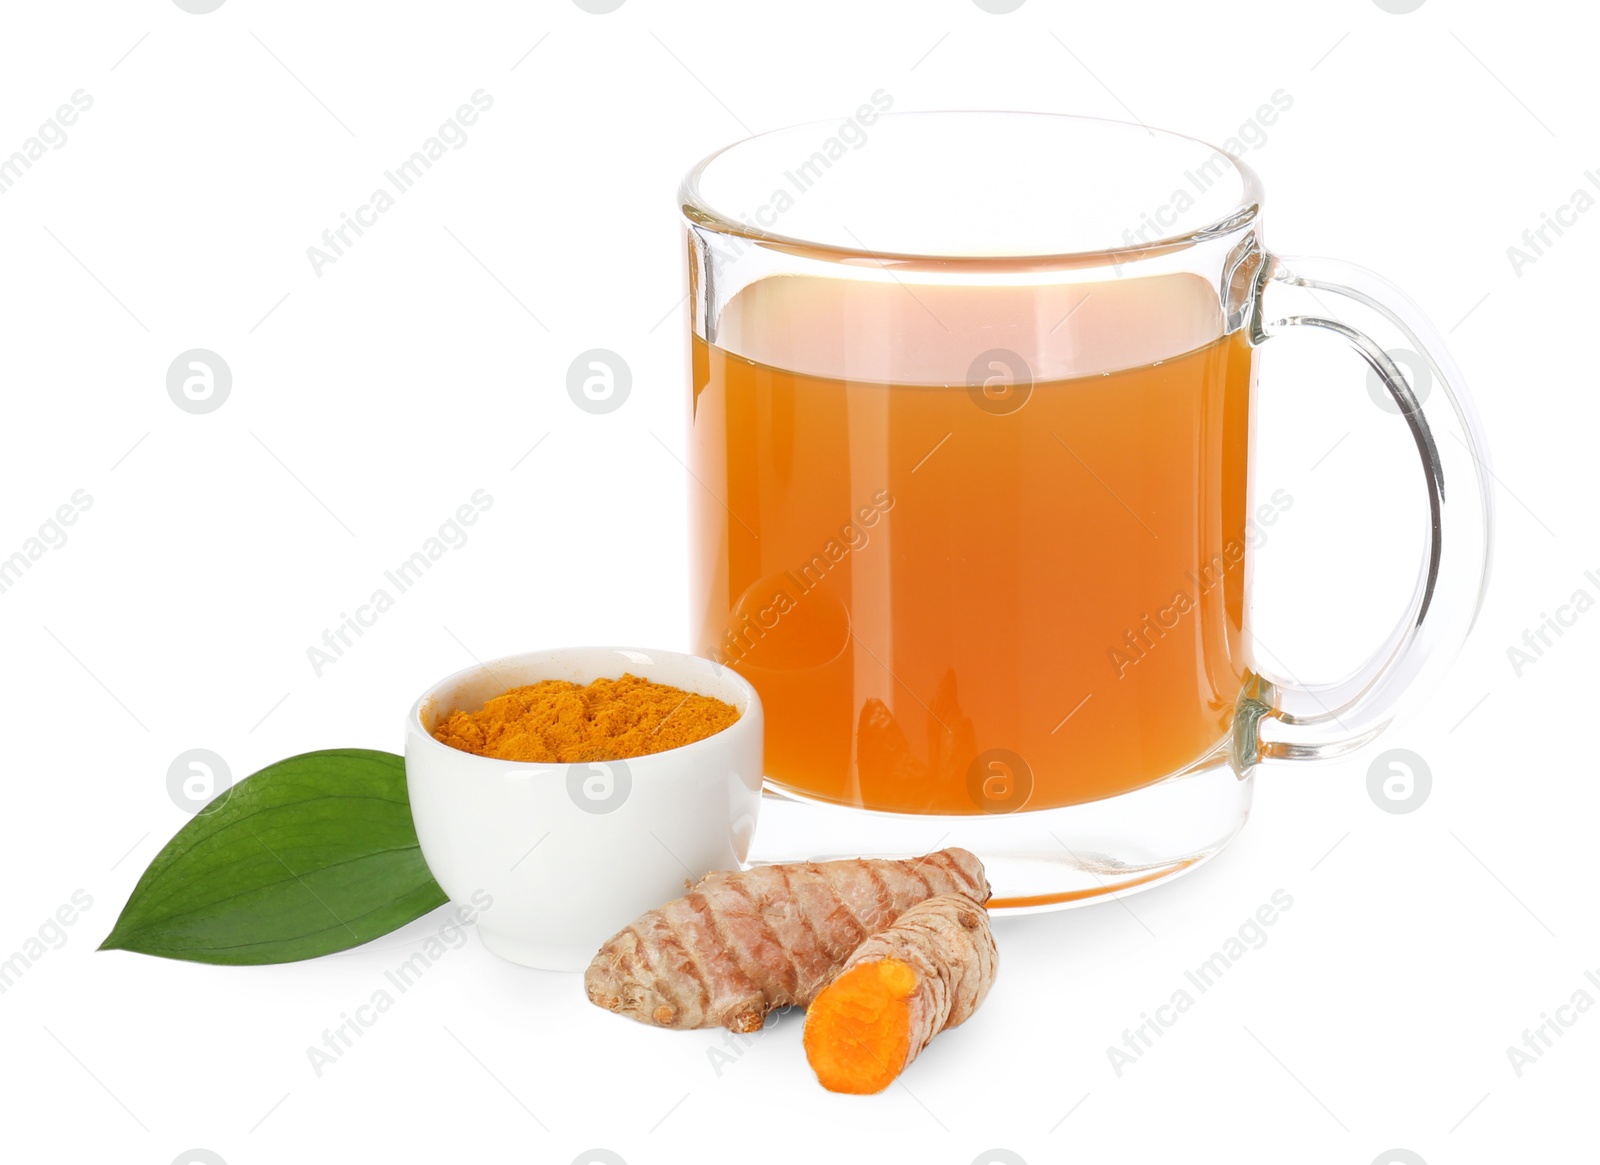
[369, 402]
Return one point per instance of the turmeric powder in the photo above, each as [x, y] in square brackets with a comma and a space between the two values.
[558, 722]
[904, 985]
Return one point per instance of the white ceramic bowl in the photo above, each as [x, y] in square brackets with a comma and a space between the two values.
[570, 854]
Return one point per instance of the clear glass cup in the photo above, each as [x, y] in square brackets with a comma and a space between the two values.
[971, 439]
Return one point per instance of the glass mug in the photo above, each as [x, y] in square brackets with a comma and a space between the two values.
[970, 438]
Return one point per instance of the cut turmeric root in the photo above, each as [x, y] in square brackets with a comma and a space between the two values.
[927, 972]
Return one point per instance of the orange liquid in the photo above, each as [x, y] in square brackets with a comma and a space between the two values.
[953, 610]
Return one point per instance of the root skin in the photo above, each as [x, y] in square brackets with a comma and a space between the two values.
[927, 972]
[739, 945]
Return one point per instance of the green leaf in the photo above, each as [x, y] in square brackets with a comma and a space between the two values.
[309, 856]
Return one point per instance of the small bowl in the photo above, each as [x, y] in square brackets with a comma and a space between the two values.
[569, 854]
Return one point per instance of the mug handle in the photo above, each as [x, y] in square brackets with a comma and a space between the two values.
[1296, 721]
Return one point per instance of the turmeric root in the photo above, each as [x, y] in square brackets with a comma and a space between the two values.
[740, 944]
[903, 986]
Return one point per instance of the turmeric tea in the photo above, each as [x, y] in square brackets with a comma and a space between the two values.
[558, 722]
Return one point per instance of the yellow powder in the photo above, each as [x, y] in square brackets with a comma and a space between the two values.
[555, 721]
